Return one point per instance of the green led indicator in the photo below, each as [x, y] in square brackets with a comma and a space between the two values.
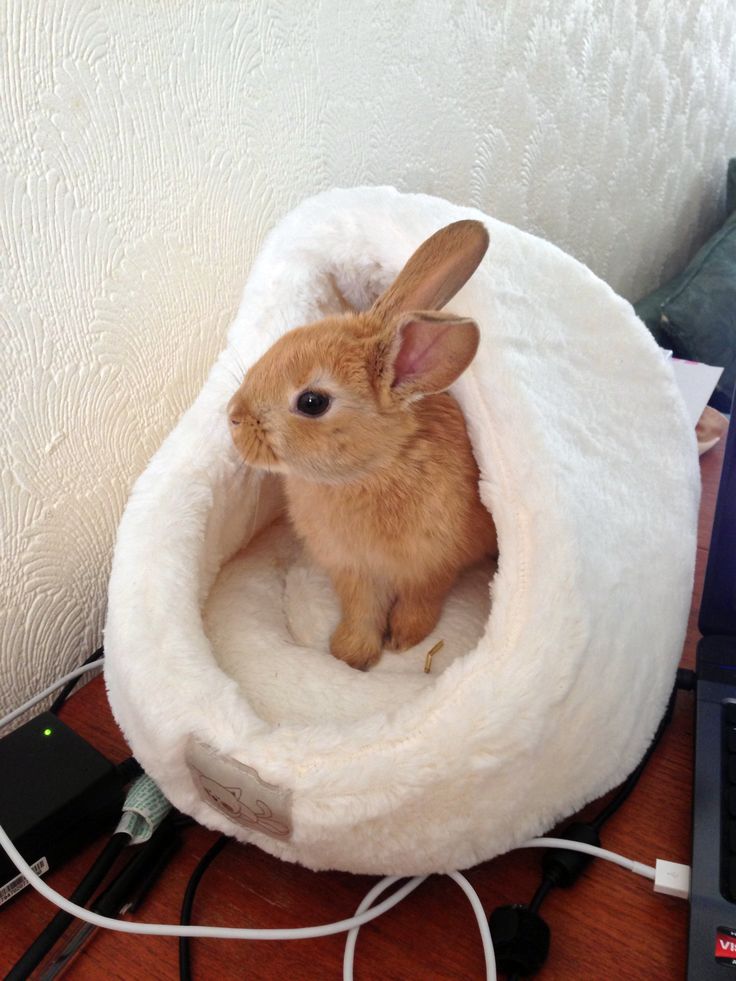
[47, 732]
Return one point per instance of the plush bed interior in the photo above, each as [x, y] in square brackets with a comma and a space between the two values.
[270, 613]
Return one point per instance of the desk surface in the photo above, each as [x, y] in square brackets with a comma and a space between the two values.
[609, 925]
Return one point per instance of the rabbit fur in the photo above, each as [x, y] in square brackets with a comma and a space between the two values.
[381, 482]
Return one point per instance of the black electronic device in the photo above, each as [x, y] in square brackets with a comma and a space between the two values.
[56, 792]
[712, 927]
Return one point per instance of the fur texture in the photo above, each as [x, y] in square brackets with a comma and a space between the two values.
[382, 485]
[588, 463]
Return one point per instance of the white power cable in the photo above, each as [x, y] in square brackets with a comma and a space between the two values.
[352, 938]
[480, 915]
[364, 914]
[76, 673]
[177, 930]
[647, 871]
[380, 887]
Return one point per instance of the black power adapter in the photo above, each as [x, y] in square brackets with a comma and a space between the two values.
[57, 793]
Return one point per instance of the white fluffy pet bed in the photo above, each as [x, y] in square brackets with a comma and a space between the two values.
[550, 684]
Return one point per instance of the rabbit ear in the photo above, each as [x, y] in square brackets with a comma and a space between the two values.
[429, 352]
[437, 270]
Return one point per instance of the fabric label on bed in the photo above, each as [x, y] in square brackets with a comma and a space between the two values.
[237, 791]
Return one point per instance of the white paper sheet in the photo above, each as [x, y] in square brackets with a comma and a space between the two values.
[696, 382]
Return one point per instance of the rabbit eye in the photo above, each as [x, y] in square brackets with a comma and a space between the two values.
[313, 403]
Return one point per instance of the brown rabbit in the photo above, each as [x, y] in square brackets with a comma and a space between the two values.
[380, 478]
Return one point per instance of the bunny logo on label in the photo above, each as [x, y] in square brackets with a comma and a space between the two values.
[237, 791]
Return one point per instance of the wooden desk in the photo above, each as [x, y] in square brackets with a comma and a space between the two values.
[610, 925]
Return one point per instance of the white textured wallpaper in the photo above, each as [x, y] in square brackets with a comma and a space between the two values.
[145, 149]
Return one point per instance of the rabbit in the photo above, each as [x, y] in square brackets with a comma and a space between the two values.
[380, 478]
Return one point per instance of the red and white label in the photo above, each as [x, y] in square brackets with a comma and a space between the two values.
[725, 946]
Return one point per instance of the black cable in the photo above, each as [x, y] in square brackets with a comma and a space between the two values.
[81, 895]
[185, 955]
[541, 894]
[70, 685]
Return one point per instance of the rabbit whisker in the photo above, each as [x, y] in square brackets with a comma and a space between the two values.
[238, 378]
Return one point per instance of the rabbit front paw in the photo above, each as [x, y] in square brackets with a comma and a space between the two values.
[354, 646]
[410, 622]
